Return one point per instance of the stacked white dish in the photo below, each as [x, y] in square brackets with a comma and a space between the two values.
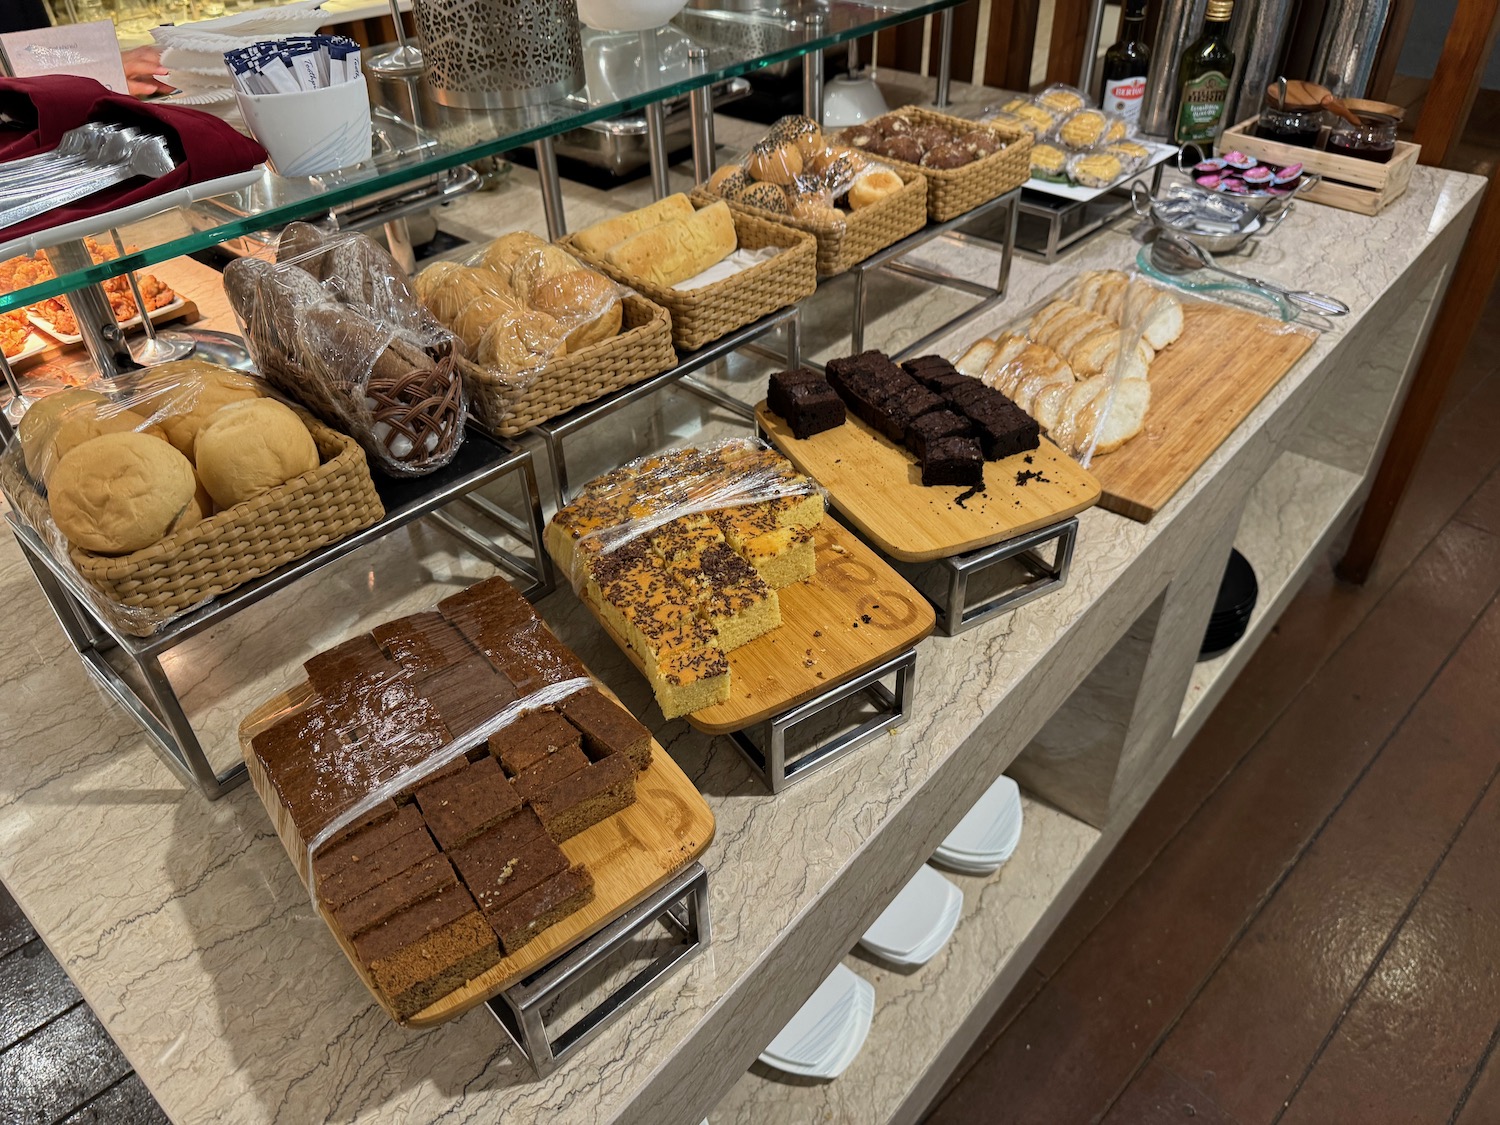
[825, 1035]
[988, 833]
[918, 922]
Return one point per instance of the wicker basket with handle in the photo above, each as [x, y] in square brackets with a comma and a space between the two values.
[700, 316]
[642, 349]
[853, 237]
[953, 191]
[142, 591]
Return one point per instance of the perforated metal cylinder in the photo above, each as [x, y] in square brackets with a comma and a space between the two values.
[486, 54]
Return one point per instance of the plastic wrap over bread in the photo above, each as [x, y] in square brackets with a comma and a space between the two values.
[333, 324]
[631, 502]
[517, 305]
[133, 474]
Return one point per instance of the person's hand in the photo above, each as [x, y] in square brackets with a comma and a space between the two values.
[143, 70]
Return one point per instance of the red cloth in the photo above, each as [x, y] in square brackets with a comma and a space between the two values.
[203, 147]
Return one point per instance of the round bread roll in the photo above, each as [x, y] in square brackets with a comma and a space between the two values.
[538, 265]
[503, 253]
[906, 149]
[183, 395]
[768, 197]
[930, 136]
[801, 131]
[774, 164]
[198, 509]
[950, 155]
[522, 341]
[583, 302]
[120, 492]
[980, 143]
[727, 178]
[894, 126]
[872, 187]
[248, 448]
[39, 426]
[448, 288]
[87, 421]
[816, 209]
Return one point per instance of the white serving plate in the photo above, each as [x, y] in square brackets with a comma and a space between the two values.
[913, 916]
[72, 338]
[1159, 153]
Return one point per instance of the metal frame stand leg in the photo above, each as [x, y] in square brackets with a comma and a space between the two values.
[398, 238]
[656, 121]
[945, 58]
[955, 614]
[101, 333]
[552, 200]
[681, 905]
[772, 763]
[701, 110]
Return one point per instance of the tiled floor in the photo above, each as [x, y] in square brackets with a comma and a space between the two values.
[1304, 923]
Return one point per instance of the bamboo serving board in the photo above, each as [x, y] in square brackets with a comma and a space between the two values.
[629, 854]
[1202, 387]
[852, 614]
[878, 485]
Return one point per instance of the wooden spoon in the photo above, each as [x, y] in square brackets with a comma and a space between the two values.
[1334, 106]
[1298, 93]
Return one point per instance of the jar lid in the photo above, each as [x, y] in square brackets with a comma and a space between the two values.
[1299, 95]
[1219, 9]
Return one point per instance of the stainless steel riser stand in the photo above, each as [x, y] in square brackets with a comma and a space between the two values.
[153, 700]
[554, 431]
[955, 613]
[101, 333]
[552, 199]
[778, 769]
[990, 295]
[1069, 223]
[680, 905]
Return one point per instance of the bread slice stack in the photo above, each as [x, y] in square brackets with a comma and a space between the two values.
[1060, 365]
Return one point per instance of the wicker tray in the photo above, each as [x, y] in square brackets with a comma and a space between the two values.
[952, 191]
[642, 349]
[860, 233]
[700, 316]
[140, 592]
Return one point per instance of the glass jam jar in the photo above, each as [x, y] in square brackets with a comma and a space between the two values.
[1290, 124]
[1374, 138]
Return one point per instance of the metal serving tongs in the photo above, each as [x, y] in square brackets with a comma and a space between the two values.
[1173, 253]
[138, 155]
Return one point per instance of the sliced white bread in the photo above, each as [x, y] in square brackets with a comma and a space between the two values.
[1047, 404]
[1033, 383]
[972, 361]
[1095, 355]
[1037, 325]
[1159, 313]
[1109, 421]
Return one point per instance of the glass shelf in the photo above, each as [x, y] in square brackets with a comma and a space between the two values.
[617, 83]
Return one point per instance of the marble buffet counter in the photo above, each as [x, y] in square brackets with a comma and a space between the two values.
[186, 929]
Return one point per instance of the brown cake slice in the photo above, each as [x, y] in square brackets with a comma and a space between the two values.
[424, 952]
[493, 601]
[346, 885]
[586, 797]
[338, 669]
[384, 901]
[607, 727]
[533, 658]
[542, 907]
[547, 772]
[531, 738]
[508, 860]
[467, 694]
[729, 594]
[365, 840]
[422, 643]
[466, 802]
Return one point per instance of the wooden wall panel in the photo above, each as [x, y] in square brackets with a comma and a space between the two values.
[1012, 37]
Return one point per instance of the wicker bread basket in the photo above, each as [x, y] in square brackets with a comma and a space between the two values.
[642, 349]
[142, 591]
[858, 234]
[953, 191]
[700, 316]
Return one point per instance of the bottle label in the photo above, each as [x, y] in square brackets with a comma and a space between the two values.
[1202, 108]
[1124, 97]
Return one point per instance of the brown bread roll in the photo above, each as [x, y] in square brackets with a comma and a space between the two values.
[774, 164]
[584, 302]
[536, 266]
[120, 492]
[522, 341]
[249, 448]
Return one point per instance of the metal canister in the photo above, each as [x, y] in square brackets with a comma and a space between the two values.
[1266, 27]
[487, 54]
[1347, 44]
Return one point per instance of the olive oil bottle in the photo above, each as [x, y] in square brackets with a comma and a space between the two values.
[1203, 80]
[1126, 65]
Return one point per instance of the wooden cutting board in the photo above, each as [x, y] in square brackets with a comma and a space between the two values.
[878, 485]
[630, 854]
[1202, 387]
[854, 613]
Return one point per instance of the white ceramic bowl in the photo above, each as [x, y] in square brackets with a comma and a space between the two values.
[850, 101]
[627, 15]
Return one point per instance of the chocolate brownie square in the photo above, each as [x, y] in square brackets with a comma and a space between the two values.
[929, 427]
[339, 669]
[467, 694]
[781, 383]
[1006, 431]
[813, 408]
[466, 802]
[944, 381]
[961, 395]
[901, 410]
[924, 367]
[953, 460]
[607, 727]
[334, 857]
[531, 658]
[422, 643]
[533, 738]
[375, 868]
[870, 363]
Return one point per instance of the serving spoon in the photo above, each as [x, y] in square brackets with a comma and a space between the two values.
[1173, 254]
